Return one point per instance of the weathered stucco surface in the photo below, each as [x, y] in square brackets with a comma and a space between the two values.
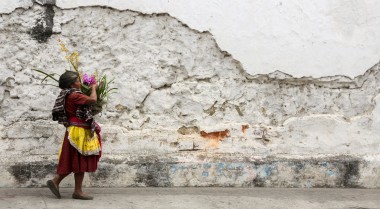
[302, 38]
[187, 113]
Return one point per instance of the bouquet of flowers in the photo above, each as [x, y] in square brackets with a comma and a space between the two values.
[104, 87]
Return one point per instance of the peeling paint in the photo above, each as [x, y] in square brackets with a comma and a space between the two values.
[188, 130]
[214, 137]
[217, 135]
[244, 129]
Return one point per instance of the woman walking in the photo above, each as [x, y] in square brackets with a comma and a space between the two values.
[81, 147]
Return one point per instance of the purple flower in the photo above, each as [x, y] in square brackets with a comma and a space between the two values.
[89, 79]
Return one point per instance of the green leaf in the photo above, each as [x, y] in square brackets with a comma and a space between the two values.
[47, 75]
[111, 81]
[50, 85]
[111, 90]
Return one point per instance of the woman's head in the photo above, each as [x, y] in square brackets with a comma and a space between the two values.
[67, 79]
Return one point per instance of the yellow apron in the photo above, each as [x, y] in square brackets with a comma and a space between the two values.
[82, 140]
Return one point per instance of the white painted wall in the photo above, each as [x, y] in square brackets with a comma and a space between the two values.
[183, 101]
[302, 38]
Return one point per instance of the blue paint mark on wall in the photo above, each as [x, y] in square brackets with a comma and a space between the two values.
[300, 166]
[205, 174]
[268, 170]
[220, 168]
[235, 166]
[330, 173]
[207, 165]
[265, 170]
[173, 169]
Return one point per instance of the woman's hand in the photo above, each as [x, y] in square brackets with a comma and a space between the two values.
[94, 86]
[93, 97]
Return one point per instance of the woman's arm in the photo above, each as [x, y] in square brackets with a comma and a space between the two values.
[92, 98]
[81, 99]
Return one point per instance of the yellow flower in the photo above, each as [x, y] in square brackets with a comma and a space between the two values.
[63, 48]
[73, 58]
[96, 74]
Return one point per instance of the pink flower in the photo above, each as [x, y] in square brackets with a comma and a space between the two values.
[89, 79]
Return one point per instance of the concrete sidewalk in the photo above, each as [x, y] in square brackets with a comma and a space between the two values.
[197, 198]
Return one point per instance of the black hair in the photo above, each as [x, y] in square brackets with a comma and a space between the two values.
[67, 78]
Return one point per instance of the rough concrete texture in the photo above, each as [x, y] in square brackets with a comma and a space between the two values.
[186, 114]
[190, 198]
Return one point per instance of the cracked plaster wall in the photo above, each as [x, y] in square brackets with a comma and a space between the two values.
[187, 112]
[302, 38]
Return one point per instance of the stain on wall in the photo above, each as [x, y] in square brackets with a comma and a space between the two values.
[43, 28]
[31, 174]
